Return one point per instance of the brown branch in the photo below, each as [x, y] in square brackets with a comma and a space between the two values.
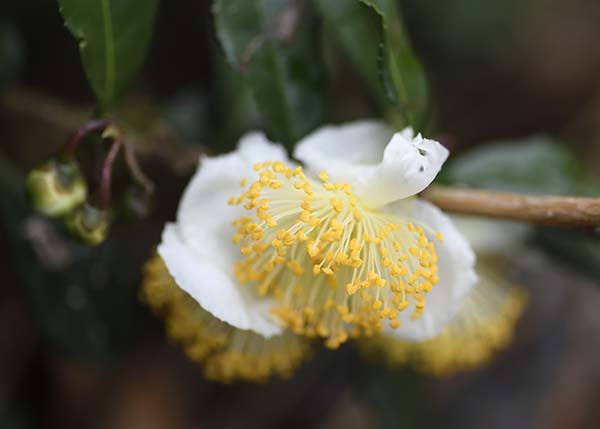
[540, 209]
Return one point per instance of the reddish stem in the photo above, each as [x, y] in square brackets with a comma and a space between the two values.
[95, 125]
[104, 191]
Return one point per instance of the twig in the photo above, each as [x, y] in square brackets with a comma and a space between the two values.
[540, 209]
[104, 191]
[96, 125]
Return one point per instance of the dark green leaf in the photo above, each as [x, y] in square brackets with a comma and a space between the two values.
[397, 396]
[273, 44]
[113, 37]
[536, 164]
[360, 34]
[579, 249]
[11, 52]
[403, 78]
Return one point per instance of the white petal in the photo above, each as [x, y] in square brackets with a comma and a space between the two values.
[214, 289]
[198, 250]
[456, 262]
[204, 217]
[491, 236]
[355, 143]
[380, 170]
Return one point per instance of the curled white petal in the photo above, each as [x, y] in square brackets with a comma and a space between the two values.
[381, 167]
[456, 264]
[198, 250]
[334, 147]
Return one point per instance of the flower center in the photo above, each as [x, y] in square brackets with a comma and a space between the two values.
[335, 267]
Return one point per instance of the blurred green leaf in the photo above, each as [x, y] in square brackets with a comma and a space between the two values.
[396, 395]
[113, 37]
[360, 33]
[535, 164]
[233, 107]
[11, 52]
[403, 78]
[274, 45]
[579, 249]
[16, 416]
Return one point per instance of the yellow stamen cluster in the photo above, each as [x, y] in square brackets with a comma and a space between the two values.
[336, 268]
[484, 325]
[225, 353]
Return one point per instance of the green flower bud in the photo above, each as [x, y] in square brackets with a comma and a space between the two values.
[56, 187]
[88, 223]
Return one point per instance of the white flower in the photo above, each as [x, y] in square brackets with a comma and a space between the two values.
[333, 250]
[487, 318]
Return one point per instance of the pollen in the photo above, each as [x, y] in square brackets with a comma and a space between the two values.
[336, 268]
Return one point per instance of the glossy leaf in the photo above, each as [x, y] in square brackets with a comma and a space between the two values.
[403, 78]
[113, 38]
[273, 44]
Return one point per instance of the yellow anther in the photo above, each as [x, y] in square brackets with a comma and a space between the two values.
[295, 226]
[323, 176]
[439, 236]
[314, 221]
[278, 167]
[327, 271]
[351, 288]
[395, 324]
[316, 269]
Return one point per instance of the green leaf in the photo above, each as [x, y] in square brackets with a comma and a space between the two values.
[273, 45]
[536, 164]
[578, 249]
[11, 52]
[403, 78]
[113, 37]
[359, 32]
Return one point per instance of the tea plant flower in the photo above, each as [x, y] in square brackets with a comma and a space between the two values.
[337, 248]
[486, 322]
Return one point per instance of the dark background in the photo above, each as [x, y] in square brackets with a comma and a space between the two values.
[77, 349]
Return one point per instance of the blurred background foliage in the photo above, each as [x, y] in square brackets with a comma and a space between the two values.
[511, 87]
